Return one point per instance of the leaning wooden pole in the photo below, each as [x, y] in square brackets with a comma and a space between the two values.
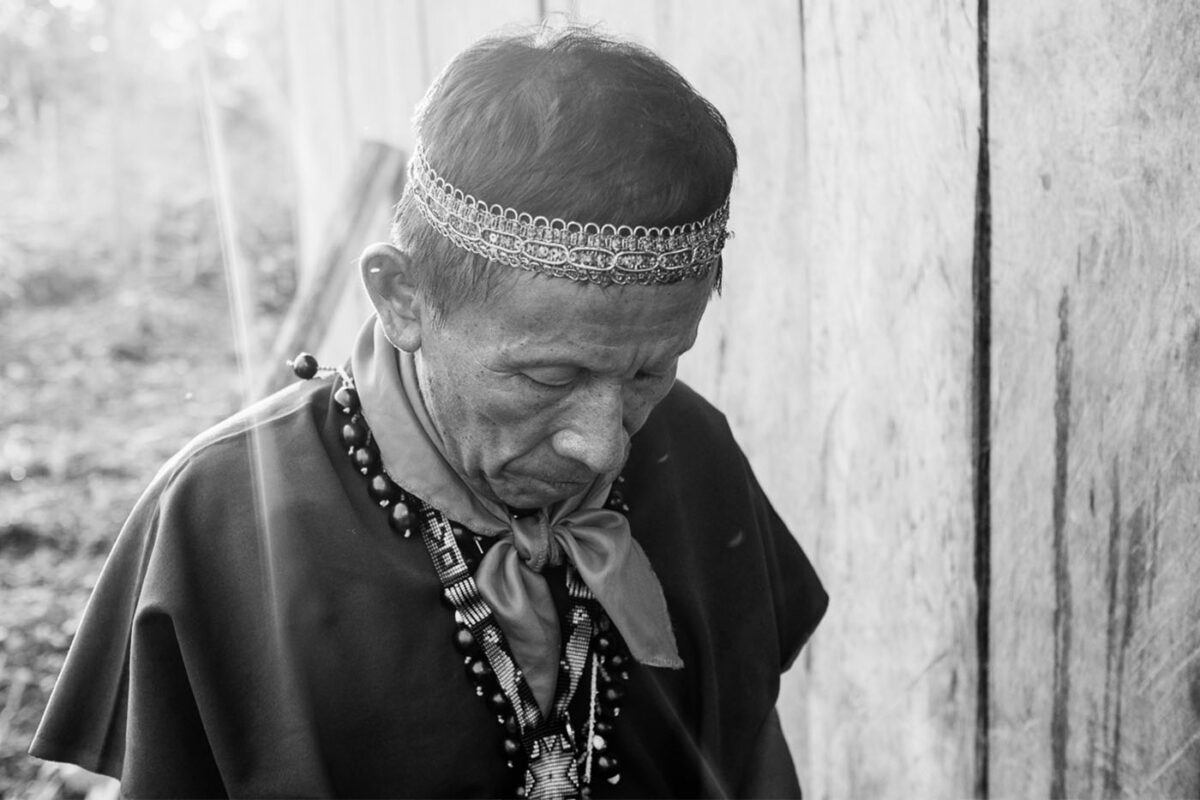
[374, 183]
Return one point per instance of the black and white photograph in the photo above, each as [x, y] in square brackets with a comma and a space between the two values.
[599, 399]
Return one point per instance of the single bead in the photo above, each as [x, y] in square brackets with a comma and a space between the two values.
[512, 747]
[383, 490]
[617, 660]
[465, 642]
[613, 779]
[510, 725]
[347, 398]
[353, 435]
[604, 624]
[304, 365]
[366, 460]
[603, 644]
[478, 670]
[603, 727]
[615, 498]
[613, 694]
[520, 791]
[400, 518]
[497, 702]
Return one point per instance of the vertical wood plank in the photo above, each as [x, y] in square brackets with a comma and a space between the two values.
[451, 25]
[1096, 448]
[357, 71]
[386, 76]
[892, 103]
[384, 70]
[321, 117]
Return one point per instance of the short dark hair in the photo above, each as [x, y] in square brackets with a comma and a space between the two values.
[570, 124]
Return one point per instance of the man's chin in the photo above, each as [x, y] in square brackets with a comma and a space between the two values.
[536, 493]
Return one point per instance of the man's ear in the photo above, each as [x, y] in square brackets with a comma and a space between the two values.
[387, 274]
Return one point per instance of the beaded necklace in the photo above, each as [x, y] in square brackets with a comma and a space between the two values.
[548, 757]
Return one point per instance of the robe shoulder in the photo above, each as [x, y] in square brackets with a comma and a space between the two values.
[185, 585]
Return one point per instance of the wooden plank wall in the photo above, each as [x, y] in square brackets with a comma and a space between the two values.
[1096, 443]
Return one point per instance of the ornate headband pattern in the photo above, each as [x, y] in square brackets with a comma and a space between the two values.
[603, 254]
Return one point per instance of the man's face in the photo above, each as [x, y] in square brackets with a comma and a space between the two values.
[537, 391]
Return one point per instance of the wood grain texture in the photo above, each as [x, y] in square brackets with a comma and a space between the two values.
[892, 101]
[385, 69]
[1096, 398]
[323, 139]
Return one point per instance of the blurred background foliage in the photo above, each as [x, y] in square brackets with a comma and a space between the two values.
[115, 332]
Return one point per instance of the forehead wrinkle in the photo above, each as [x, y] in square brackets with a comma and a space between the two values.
[615, 358]
[549, 322]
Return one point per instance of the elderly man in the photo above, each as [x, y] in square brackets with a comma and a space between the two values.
[502, 552]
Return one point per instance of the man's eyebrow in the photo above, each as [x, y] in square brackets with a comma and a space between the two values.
[529, 356]
[515, 361]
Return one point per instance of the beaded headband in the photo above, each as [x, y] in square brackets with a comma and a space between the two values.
[602, 254]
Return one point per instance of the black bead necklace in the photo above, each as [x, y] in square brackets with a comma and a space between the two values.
[547, 756]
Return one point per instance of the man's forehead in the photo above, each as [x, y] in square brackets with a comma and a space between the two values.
[553, 314]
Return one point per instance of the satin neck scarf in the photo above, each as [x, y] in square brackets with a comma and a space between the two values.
[596, 540]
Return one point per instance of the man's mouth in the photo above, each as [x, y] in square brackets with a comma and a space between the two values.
[560, 483]
[541, 490]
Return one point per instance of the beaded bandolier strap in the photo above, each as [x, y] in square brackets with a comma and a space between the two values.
[552, 747]
[550, 756]
[596, 253]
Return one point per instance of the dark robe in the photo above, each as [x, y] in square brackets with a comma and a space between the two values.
[259, 630]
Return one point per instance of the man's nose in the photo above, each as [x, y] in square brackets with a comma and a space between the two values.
[594, 432]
